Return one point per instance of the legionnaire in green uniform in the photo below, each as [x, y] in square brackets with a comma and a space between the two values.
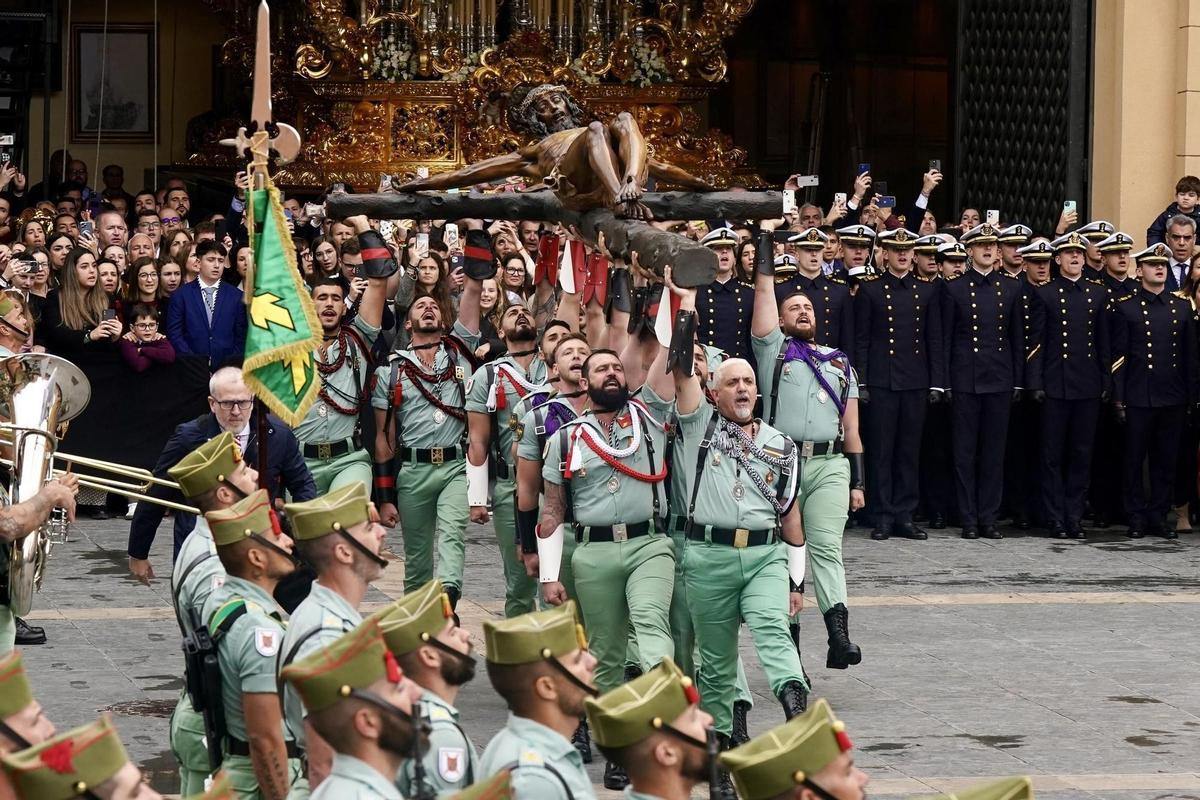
[88, 761]
[22, 723]
[359, 701]
[492, 392]
[420, 438]
[806, 758]
[213, 476]
[329, 433]
[247, 626]
[340, 537]
[741, 524]
[612, 483]
[539, 663]
[1018, 787]
[654, 728]
[435, 652]
[811, 392]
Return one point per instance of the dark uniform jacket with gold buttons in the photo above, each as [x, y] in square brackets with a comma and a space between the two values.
[1154, 358]
[983, 323]
[1067, 350]
[833, 306]
[724, 311]
[898, 332]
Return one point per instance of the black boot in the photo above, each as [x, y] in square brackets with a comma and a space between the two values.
[615, 777]
[795, 629]
[582, 739]
[842, 652]
[724, 788]
[794, 699]
[741, 733]
[28, 634]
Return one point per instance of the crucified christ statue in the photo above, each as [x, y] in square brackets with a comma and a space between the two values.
[592, 166]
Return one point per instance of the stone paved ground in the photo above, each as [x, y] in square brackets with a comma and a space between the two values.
[1077, 662]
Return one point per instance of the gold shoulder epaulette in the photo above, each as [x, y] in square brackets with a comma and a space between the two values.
[836, 279]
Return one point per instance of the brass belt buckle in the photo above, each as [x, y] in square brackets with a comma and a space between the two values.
[806, 449]
[741, 537]
[436, 455]
[620, 532]
[324, 450]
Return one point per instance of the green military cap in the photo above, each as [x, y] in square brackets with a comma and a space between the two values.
[497, 787]
[221, 789]
[787, 756]
[356, 660]
[7, 304]
[415, 618]
[535, 636]
[1019, 787]
[15, 694]
[339, 510]
[249, 516]
[633, 711]
[69, 764]
[203, 469]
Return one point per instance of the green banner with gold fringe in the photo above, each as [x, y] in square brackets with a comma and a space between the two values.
[282, 328]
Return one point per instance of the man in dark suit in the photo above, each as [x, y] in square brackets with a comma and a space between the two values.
[207, 317]
[231, 404]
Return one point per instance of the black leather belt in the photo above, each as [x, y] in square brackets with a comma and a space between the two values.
[431, 455]
[503, 471]
[733, 537]
[236, 747]
[810, 449]
[613, 533]
[330, 449]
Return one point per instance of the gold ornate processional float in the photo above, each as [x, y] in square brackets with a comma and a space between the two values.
[381, 87]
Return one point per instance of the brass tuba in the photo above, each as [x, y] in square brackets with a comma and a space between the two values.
[38, 392]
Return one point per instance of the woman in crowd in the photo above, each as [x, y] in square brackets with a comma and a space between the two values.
[969, 219]
[116, 254]
[143, 287]
[170, 277]
[745, 262]
[492, 305]
[189, 265]
[39, 285]
[325, 256]
[75, 323]
[32, 234]
[179, 241]
[59, 247]
[514, 278]
[241, 264]
[110, 278]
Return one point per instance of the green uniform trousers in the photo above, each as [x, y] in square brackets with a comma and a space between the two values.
[334, 473]
[728, 584]
[8, 629]
[520, 590]
[624, 583]
[824, 497]
[241, 775]
[684, 634]
[187, 743]
[432, 499]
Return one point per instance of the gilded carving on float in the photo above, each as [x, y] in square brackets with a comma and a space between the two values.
[386, 86]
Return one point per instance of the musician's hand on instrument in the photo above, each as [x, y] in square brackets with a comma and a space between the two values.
[795, 603]
[142, 569]
[389, 515]
[479, 515]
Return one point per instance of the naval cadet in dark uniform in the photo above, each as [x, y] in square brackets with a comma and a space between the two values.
[981, 319]
[1066, 369]
[857, 243]
[1156, 379]
[898, 351]
[725, 305]
[830, 295]
[1108, 455]
[1021, 445]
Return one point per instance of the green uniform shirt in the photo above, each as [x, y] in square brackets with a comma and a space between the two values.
[248, 651]
[418, 422]
[805, 411]
[541, 760]
[351, 779]
[727, 497]
[507, 376]
[323, 422]
[450, 763]
[205, 577]
[531, 431]
[600, 495]
[319, 620]
[678, 490]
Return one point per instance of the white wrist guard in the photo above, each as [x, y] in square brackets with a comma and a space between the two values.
[797, 562]
[477, 484]
[550, 555]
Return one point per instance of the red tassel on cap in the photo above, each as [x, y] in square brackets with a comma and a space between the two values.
[276, 528]
[394, 674]
[60, 757]
[690, 692]
[843, 738]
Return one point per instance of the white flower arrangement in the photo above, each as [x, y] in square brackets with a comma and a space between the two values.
[649, 66]
[583, 74]
[393, 60]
